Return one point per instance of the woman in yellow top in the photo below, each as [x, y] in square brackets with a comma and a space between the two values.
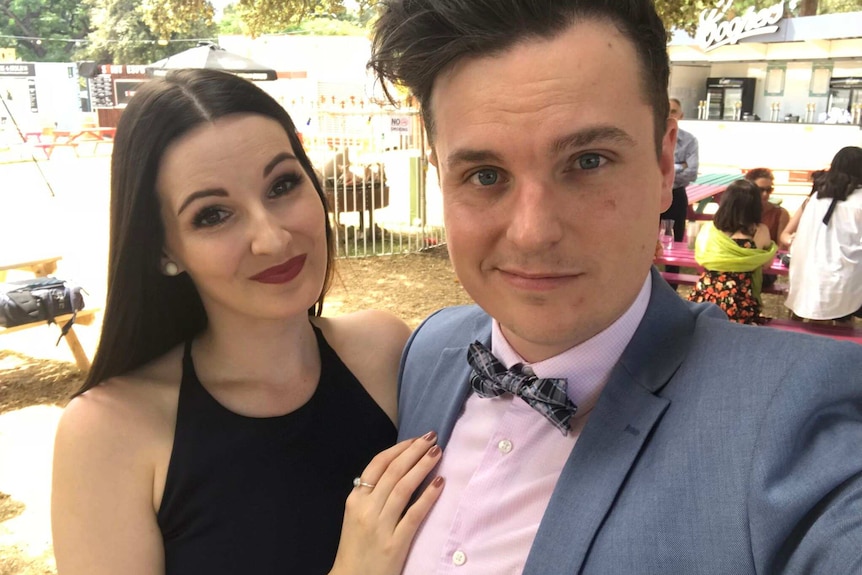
[733, 249]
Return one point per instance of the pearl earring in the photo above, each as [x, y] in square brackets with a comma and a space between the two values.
[171, 269]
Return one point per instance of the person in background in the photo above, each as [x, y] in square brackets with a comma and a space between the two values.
[733, 248]
[593, 421]
[775, 218]
[685, 166]
[789, 232]
[223, 420]
[685, 158]
[826, 253]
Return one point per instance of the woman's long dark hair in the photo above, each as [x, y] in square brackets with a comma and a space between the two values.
[740, 209]
[146, 312]
[843, 176]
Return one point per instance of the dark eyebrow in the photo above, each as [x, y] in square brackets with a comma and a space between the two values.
[472, 157]
[589, 136]
[217, 192]
[222, 193]
[275, 161]
[579, 139]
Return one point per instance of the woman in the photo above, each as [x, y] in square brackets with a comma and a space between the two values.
[733, 249]
[223, 420]
[773, 216]
[826, 253]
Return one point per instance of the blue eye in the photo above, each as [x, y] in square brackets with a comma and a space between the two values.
[590, 161]
[486, 177]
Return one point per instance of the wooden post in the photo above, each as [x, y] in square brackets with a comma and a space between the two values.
[77, 350]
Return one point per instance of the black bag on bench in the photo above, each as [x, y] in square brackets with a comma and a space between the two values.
[39, 299]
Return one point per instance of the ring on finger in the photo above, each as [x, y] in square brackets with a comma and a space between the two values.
[357, 482]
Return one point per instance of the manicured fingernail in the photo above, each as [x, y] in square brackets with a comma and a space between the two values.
[438, 481]
[430, 436]
[434, 451]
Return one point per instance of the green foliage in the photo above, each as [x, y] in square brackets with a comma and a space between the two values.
[123, 33]
[277, 16]
[230, 24]
[44, 19]
[836, 6]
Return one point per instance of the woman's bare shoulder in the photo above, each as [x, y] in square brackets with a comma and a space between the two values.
[139, 406]
[370, 343]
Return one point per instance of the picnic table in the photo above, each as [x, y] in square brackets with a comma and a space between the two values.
[48, 139]
[41, 268]
[679, 254]
[38, 267]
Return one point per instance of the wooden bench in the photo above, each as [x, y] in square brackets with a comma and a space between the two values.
[691, 279]
[49, 147]
[846, 333]
[44, 267]
[38, 267]
[84, 317]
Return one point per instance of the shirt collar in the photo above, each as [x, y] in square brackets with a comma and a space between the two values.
[588, 365]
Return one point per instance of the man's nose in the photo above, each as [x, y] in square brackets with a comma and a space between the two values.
[535, 220]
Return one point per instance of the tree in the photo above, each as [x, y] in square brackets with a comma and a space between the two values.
[127, 32]
[274, 16]
[50, 28]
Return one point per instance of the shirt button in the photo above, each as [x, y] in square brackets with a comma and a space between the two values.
[459, 558]
[505, 446]
[527, 370]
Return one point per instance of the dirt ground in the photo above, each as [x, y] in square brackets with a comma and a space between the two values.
[411, 286]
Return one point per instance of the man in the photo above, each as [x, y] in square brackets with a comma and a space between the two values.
[697, 445]
[685, 165]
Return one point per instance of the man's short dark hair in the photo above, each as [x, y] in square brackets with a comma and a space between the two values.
[414, 40]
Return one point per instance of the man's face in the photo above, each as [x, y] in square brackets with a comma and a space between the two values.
[675, 110]
[551, 186]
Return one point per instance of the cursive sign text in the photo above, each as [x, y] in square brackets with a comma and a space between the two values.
[715, 31]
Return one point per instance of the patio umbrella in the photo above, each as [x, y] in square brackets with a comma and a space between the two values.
[212, 57]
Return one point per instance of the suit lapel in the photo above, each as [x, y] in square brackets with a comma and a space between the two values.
[442, 404]
[442, 399]
[611, 441]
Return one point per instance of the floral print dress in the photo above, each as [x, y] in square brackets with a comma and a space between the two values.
[731, 291]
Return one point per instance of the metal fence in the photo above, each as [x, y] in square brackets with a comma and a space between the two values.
[372, 166]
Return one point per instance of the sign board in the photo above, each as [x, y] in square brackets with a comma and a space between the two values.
[125, 89]
[715, 30]
[31, 87]
[401, 125]
[128, 69]
[7, 55]
[17, 69]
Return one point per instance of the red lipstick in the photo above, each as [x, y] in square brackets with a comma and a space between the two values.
[281, 273]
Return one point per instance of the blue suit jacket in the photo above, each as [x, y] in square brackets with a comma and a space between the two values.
[714, 448]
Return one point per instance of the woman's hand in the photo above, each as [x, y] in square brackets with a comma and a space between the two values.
[377, 532]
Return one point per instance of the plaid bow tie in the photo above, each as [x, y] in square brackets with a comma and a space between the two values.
[546, 395]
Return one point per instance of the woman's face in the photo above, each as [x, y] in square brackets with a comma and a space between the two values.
[243, 219]
[766, 188]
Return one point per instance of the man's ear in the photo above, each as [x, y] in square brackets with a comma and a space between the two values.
[665, 160]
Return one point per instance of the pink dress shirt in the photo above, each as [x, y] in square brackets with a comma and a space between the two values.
[503, 460]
